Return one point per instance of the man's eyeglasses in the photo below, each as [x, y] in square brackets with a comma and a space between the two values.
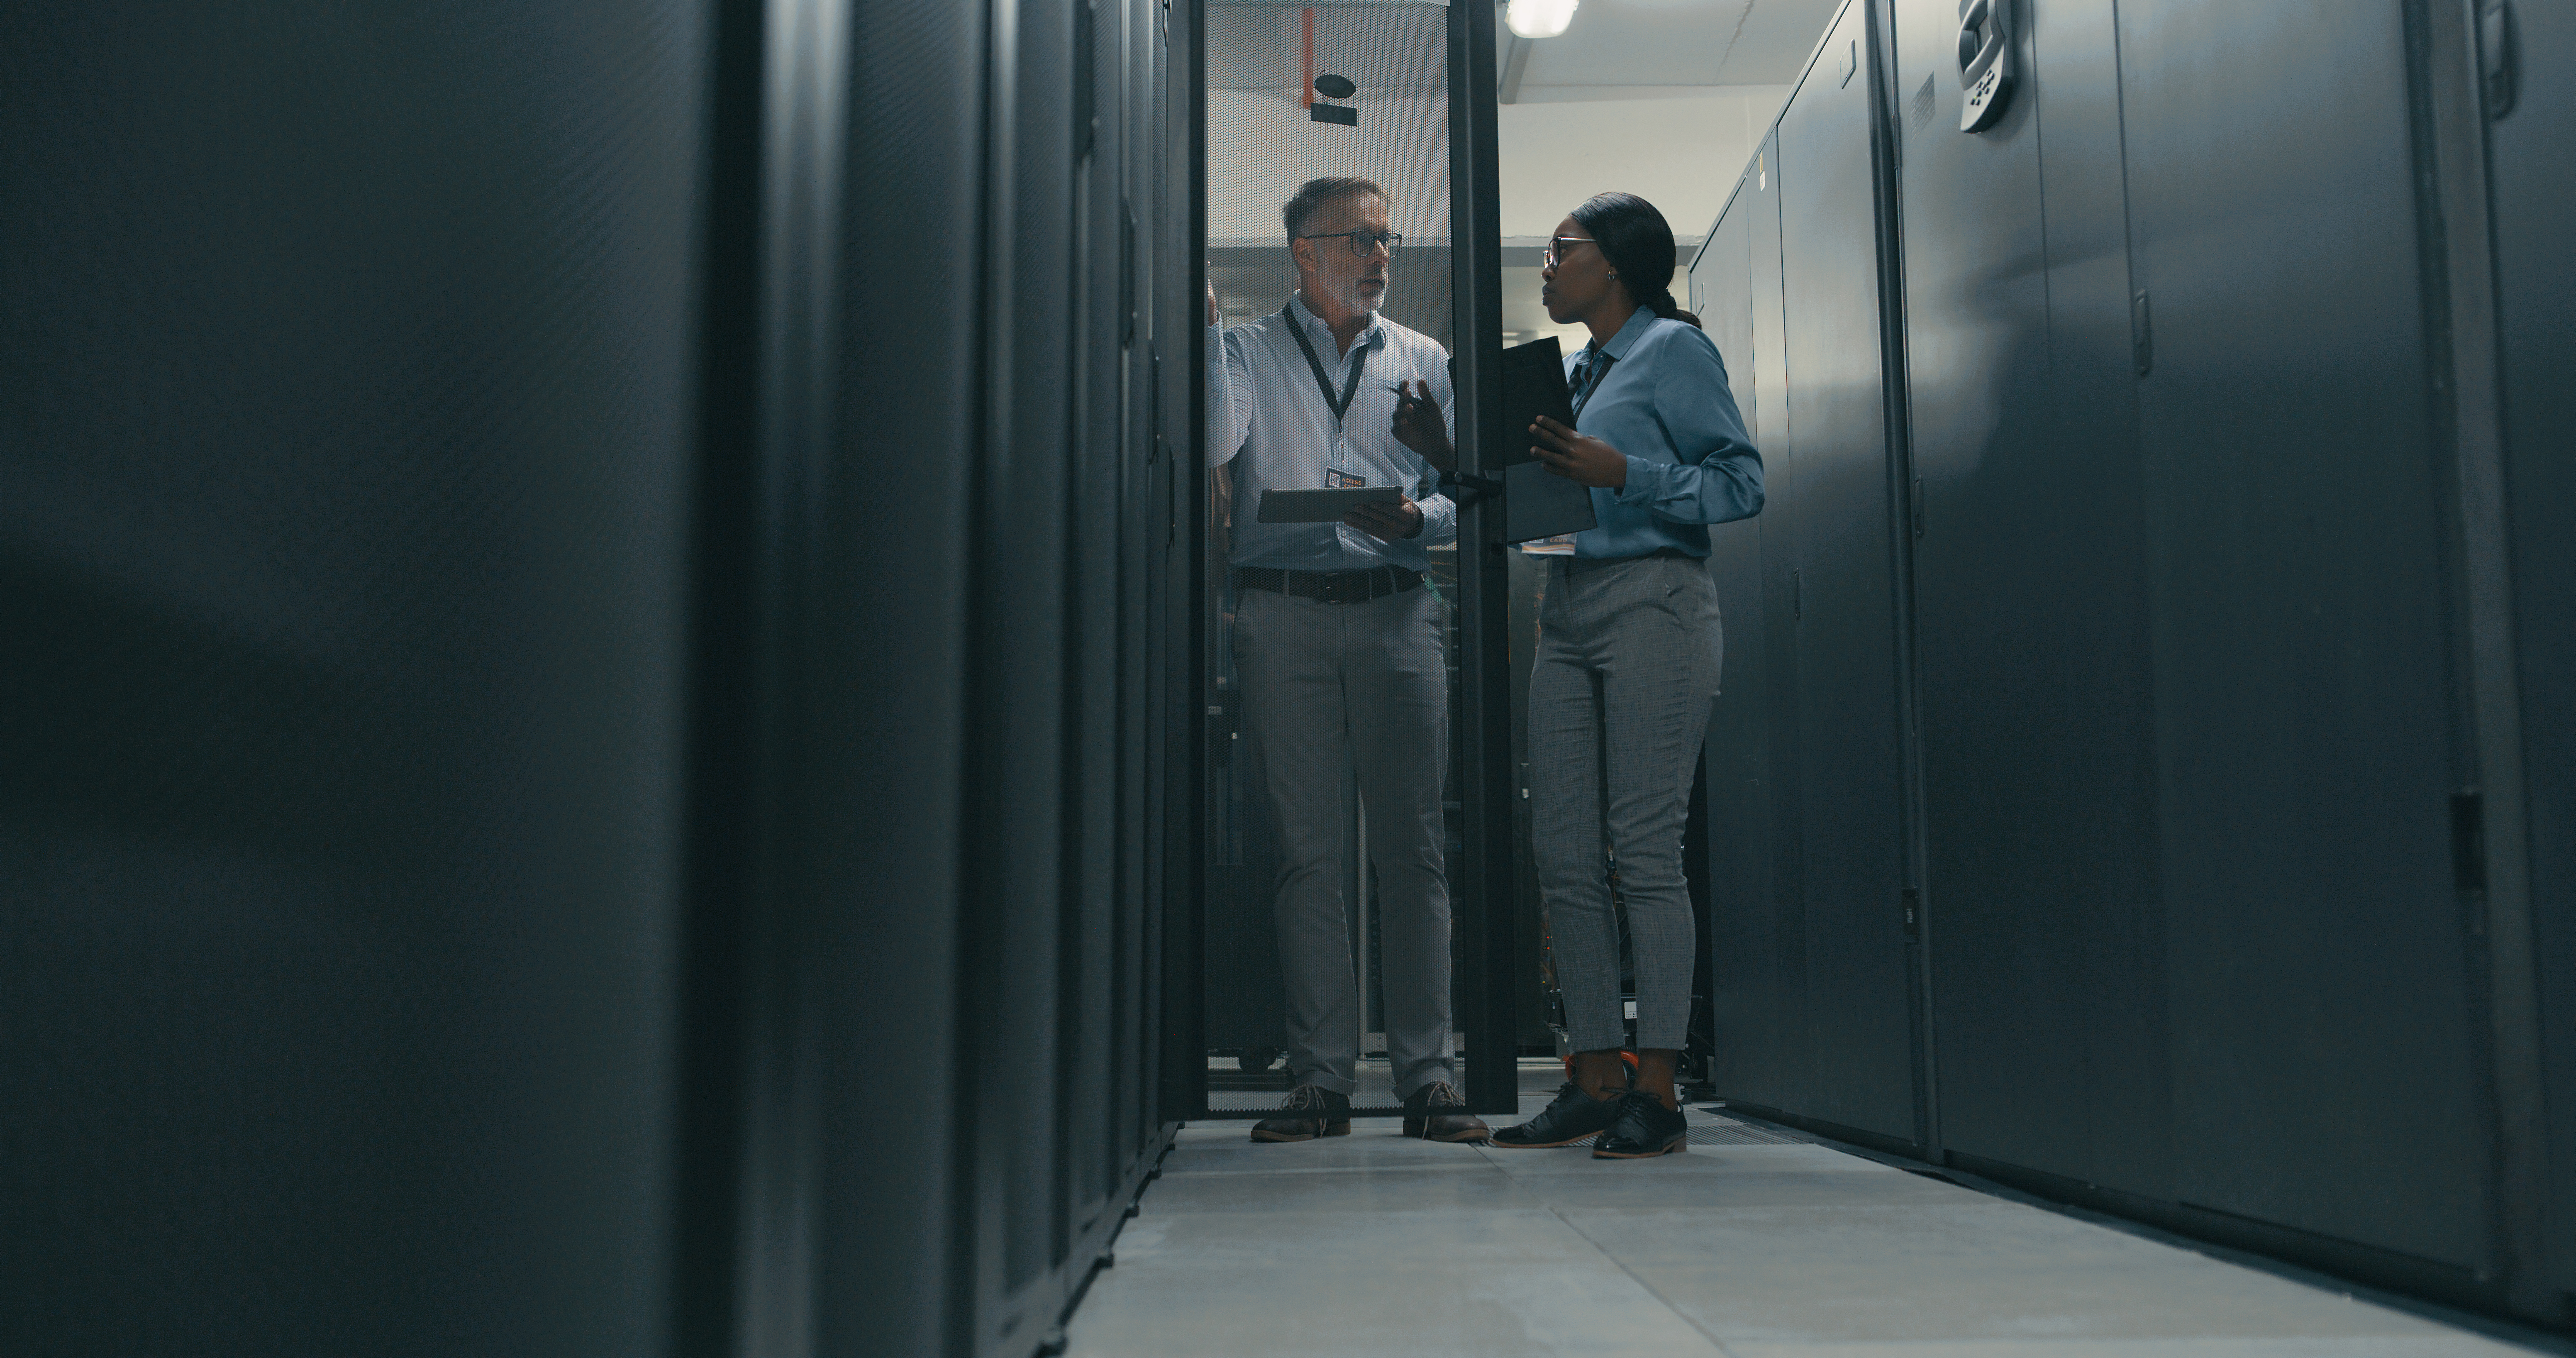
[1364, 243]
[1557, 246]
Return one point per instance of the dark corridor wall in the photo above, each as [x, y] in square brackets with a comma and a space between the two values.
[582, 745]
[2166, 846]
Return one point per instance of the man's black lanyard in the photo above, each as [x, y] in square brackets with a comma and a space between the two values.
[1322, 382]
[1594, 369]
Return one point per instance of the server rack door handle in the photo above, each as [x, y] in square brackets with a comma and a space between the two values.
[2142, 334]
[2496, 56]
[1985, 64]
[1474, 488]
[1086, 79]
[1126, 273]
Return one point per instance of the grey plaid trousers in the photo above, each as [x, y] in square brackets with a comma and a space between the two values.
[1628, 658]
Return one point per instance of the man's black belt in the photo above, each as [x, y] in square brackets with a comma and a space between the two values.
[1331, 587]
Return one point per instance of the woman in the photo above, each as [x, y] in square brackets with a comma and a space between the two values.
[1627, 663]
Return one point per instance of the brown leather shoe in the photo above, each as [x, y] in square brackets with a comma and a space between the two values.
[1438, 1112]
[1308, 1112]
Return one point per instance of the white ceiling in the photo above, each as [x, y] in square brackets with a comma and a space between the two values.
[1388, 48]
[1677, 42]
[1382, 49]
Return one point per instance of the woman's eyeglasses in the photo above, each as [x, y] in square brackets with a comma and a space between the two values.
[1364, 243]
[1557, 246]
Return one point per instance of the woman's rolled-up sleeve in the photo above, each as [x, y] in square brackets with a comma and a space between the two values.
[1718, 475]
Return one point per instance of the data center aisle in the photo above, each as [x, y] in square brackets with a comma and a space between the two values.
[1753, 1244]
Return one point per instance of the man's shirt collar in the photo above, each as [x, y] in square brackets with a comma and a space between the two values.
[1316, 329]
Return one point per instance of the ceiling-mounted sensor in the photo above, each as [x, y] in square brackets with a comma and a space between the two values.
[1334, 87]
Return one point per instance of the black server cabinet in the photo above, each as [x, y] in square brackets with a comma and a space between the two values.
[1088, 954]
[2199, 550]
[348, 451]
[861, 1248]
[1043, 928]
[952, 1037]
[2030, 631]
[2528, 75]
[1743, 911]
[561, 802]
[2325, 1073]
[1757, 915]
[1017, 754]
[1806, 759]
[951, 1028]
[1832, 621]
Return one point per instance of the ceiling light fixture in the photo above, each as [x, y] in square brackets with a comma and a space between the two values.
[1540, 18]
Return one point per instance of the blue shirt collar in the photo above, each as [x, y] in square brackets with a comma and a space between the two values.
[1628, 335]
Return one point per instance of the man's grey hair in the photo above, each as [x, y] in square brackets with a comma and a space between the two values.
[1314, 193]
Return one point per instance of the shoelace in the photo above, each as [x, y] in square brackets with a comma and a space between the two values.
[1652, 1108]
[1303, 1098]
[1440, 1092]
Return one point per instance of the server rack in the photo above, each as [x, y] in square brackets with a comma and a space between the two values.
[598, 761]
[2211, 492]
[351, 453]
[2515, 97]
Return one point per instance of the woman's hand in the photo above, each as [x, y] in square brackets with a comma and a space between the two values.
[1386, 522]
[1418, 426]
[1579, 458]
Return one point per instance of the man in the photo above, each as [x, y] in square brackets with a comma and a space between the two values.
[1337, 645]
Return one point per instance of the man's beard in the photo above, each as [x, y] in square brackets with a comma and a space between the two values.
[1350, 297]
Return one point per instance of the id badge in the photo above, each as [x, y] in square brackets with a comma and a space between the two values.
[1337, 479]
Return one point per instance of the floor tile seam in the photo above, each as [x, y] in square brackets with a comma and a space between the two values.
[1771, 1210]
[1213, 1172]
[1622, 1265]
[1651, 1290]
[1753, 1209]
[2221, 1346]
[1529, 1206]
[1719, 1164]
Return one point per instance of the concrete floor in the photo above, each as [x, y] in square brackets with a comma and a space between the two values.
[1374, 1245]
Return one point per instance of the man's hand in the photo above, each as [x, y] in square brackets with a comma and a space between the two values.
[1212, 316]
[1386, 522]
[1579, 458]
[1418, 426]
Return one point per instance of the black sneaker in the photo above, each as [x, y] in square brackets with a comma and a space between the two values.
[1308, 1112]
[1438, 1112]
[1645, 1128]
[1573, 1116]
